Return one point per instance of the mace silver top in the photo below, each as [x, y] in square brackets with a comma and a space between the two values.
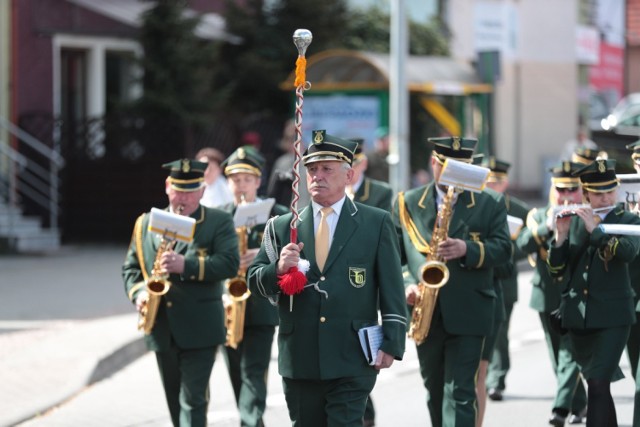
[302, 39]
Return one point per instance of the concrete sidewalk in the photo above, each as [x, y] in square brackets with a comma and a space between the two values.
[42, 368]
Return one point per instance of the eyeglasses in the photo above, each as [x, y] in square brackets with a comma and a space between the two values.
[567, 190]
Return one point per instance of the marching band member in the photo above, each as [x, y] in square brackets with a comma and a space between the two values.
[248, 364]
[597, 304]
[354, 269]
[189, 324]
[633, 344]
[367, 190]
[477, 241]
[499, 360]
[570, 396]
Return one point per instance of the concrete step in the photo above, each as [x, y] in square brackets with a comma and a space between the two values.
[16, 226]
[43, 241]
[6, 209]
[24, 234]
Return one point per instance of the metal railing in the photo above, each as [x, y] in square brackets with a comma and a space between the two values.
[22, 177]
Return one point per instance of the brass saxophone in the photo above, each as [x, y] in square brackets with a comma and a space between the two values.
[238, 292]
[157, 285]
[434, 274]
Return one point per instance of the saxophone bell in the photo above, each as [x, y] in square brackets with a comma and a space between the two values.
[434, 274]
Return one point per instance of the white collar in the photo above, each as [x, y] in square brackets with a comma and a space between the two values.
[337, 206]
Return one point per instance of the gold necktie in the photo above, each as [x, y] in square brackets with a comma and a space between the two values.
[322, 238]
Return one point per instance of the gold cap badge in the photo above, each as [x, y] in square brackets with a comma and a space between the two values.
[602, 167]
[456, 143]
[186, 167]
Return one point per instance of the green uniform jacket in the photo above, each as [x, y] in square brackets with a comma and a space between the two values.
[534, 240]
[191, 312]
[596, 296]
[259, 311]
[375, 193]
[518, 209]
[467, 301]
[634, 274]
[318, 339]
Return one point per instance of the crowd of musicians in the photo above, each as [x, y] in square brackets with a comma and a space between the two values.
[350, 261]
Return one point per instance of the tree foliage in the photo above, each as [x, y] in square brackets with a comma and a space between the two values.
[369, 30]
[248, 75]
[188, 77]
[177, 64]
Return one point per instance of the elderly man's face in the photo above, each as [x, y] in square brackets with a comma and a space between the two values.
[327, 180]
[183, 202]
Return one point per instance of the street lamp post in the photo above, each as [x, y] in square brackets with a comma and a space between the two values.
[398, 101]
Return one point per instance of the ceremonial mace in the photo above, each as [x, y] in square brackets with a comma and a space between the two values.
[294, 280]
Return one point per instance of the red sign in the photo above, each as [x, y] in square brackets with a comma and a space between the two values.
[608, 73]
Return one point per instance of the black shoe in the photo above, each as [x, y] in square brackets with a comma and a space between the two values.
[495, 394]
[578, 418]
[557, 419]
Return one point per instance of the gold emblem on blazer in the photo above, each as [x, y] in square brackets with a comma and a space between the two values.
[357, 276]
[474, 236]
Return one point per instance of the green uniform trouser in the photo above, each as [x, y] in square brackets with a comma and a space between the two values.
[633, 349]
[369, 410]
[328, 403]
[570, 393]
[500, 362]
[248, 366]
[185, 376]
[449, 365]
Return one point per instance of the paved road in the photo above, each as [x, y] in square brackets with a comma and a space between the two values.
[80, 287]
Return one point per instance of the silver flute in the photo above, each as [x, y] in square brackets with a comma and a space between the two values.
[573, 212]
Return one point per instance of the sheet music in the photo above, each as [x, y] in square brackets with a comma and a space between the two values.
[176, 226]
[370, 340]
[629, 187]
[463, 175]
[252, 214]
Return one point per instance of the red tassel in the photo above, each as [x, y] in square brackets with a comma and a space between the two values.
[293, 281]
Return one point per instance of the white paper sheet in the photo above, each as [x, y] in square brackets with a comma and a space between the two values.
[172, 225]
[463, 175]
[515, 224]
[252, 214]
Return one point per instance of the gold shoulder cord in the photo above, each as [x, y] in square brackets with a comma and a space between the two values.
[138, 232]
[137, 235]
[418, 241]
